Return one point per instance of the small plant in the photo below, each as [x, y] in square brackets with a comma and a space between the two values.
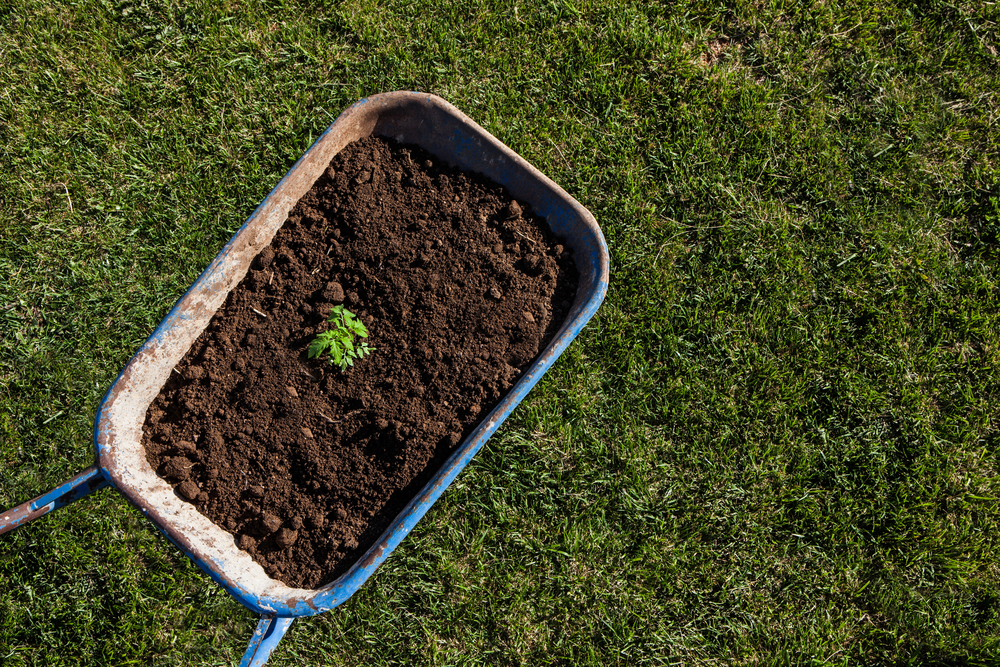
[339, 342]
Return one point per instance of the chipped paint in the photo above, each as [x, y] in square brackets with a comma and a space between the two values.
[269, 631]
[81, 485]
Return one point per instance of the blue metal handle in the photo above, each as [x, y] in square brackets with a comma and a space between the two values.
[270, 630]
[82, 485]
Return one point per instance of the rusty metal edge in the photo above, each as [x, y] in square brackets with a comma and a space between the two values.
[80, 485]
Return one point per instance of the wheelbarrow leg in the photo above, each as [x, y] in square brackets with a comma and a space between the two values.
[84, 484]
[270, 630]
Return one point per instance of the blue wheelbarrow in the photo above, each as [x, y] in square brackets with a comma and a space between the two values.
[408, 117]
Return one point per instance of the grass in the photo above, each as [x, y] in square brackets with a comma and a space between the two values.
[777, 442]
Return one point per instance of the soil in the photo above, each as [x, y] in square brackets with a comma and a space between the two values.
[460, 287]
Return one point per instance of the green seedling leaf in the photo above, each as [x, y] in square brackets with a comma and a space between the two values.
[339, 342]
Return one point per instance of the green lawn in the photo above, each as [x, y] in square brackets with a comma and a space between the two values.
[778, 442]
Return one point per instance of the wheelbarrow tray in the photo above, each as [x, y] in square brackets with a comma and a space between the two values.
[413, 118]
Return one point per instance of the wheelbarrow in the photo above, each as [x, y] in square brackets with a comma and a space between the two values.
[408, 117]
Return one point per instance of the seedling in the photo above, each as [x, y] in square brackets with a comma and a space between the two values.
[339, 342]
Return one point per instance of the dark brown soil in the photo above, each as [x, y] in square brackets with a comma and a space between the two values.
[460, 288]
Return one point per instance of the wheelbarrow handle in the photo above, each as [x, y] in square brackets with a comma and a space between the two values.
[270, 630]
[84, 484]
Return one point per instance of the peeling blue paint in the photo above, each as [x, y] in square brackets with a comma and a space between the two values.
[78, 487]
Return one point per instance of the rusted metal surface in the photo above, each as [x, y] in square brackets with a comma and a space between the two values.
[416, 118]
[84, 484]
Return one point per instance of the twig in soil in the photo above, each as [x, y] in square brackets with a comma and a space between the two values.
[525, 238]
[307, 373]
[258, 312]
[270, 278]
[325, 417]
[349, 415]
